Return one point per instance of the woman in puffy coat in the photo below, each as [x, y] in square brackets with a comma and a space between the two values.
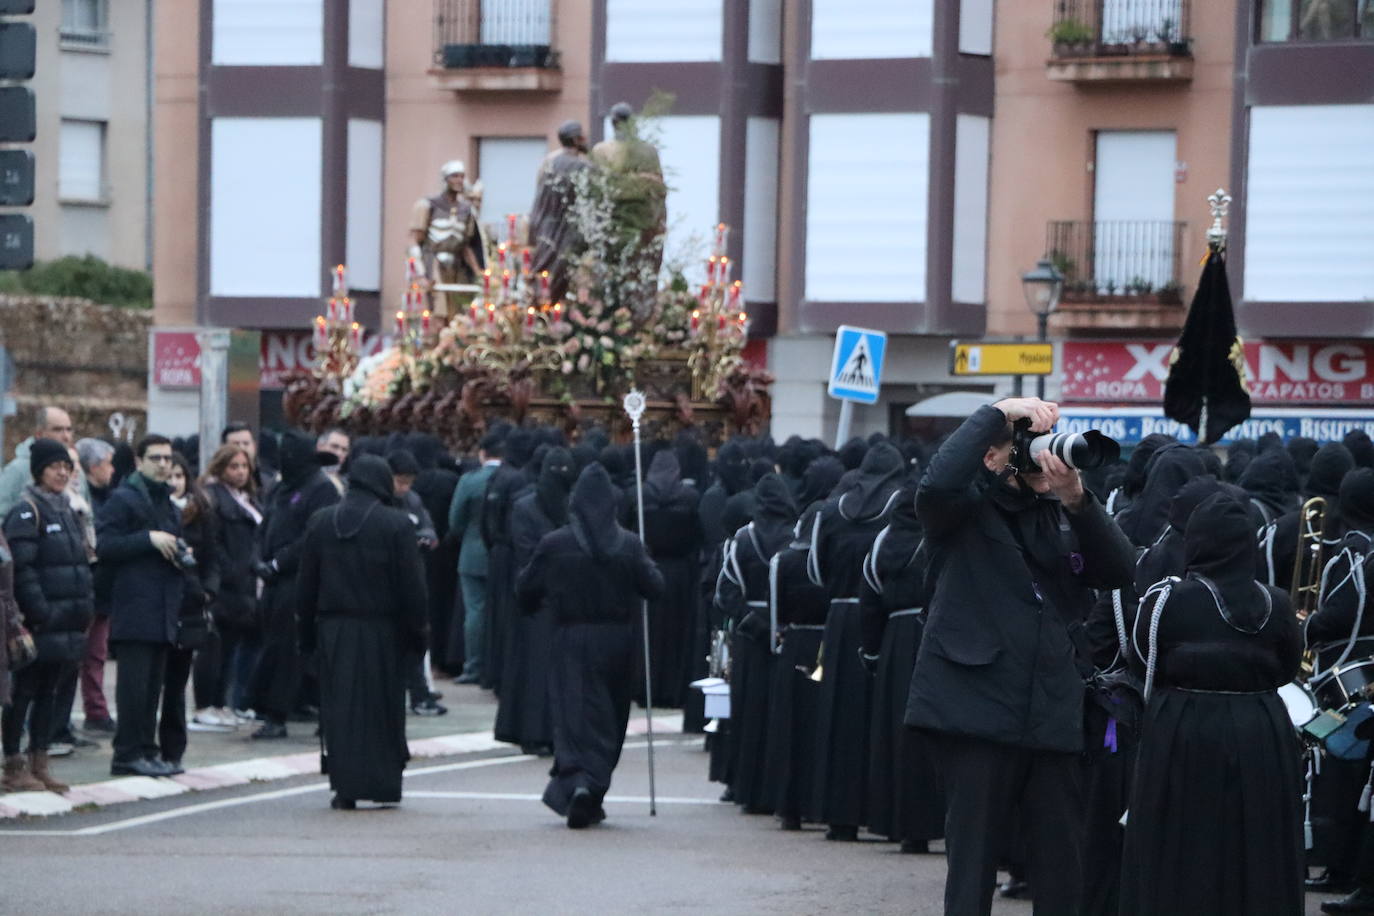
[53, 586]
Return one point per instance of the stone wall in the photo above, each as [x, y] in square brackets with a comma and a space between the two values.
[91, 360]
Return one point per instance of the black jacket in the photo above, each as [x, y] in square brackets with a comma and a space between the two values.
[361, 559]
[52, 575]
[146, 590]
[292, 504]
[997, 661]
[235, 548]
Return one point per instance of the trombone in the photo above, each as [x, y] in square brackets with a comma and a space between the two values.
[1305, 590]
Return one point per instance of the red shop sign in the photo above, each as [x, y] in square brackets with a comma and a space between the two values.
[1279, 371]
[176, 359]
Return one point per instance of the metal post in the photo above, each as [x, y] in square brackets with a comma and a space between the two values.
[214, 389]
[1042, 320]
[634, 406]
[846, 421]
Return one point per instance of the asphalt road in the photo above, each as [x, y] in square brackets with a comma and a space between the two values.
[470, 837]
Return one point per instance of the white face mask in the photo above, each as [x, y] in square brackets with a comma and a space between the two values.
[179, 501]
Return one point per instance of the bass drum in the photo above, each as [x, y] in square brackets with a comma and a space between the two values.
[1352, 682]
[1300, 703]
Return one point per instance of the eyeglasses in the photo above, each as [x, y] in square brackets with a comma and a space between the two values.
[160, 459]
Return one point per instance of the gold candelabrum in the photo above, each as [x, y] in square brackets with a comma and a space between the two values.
[338, 337]
[718, 327]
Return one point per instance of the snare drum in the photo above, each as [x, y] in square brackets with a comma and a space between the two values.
[1352, 682]
[1300, 703]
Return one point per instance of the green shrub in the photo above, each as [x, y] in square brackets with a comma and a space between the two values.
[84, 278]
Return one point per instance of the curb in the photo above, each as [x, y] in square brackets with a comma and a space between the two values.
[124, 789]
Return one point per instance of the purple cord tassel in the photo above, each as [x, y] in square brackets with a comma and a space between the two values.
[1109, 740]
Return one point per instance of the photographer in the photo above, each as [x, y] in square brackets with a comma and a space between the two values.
[139, 539]
[1017, 546]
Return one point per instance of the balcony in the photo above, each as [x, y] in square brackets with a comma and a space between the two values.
[1114, 41]
[1119, 275]
[495, 46]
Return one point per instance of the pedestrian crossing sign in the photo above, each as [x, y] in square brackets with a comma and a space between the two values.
[856, 370]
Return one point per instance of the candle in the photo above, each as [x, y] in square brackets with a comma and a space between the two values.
[486, 284]
[526, 260]
[332, 311]
[720, 321]
[544, 286]
[491, 313]
[321, 336]
[424, 321]
[347, 311]
[501, 256]
[557, 312]
[696, 320]
[472, 311]
[724, 270]
[412, 270]
[505, 284]
[722, 238]
[340, 282]
[704, 296]
[735, 291]
[400, 324]
[743, 319]
[529, 317]
[355, 337]
[711, 270]
[511, 220]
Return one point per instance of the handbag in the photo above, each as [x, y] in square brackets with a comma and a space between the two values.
[21, 650]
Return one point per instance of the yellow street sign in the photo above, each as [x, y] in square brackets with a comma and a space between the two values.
[1001, 358]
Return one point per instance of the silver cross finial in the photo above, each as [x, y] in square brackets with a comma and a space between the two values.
[634, 406]
[1220, 202]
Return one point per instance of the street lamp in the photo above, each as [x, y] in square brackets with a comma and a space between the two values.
[1042, 285]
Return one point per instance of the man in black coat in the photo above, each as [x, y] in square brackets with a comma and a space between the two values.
[137, 535]
[591, 575]
[303, 490]
[363, 612]
[997, 684]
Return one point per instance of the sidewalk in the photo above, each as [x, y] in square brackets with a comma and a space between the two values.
[218, 759]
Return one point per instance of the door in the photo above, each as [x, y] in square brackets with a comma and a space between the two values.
[1133, 211]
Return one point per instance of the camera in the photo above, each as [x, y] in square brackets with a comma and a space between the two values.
[1089, 449]
[185, 559]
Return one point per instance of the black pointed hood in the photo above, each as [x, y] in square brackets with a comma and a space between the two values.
[775, 513]
[1357, 500]
[557, 474]
[370, 486]
[819, 480]
[879, 476]
[299, 459]
[1272, 479]
[732, 467]
[1173, 465]
[663, 483]
[591, 513]
[1219, 544]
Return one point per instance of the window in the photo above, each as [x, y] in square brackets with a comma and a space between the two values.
[81, 161]
[85, 22]
[1316, 20]
[507, 167]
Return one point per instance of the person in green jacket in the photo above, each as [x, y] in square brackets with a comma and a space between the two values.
[465, 522]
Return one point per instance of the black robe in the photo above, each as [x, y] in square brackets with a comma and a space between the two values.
[905, 798]
[842, 534]
[591, 575]
[522, 715]
[505, 486]
[800, 607]
[672, 533]
[742, 598]
[435, 488]
[361, 592]
[1215, 822]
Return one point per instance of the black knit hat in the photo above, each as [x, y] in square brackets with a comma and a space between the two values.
[44, 452]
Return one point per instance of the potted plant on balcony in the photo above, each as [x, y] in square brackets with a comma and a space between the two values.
[1070, 37]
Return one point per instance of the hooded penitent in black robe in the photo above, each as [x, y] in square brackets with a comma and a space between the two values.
[672, 532]
[1215, 822]
[742, 600]
[905, 799]
[1272, 482]
[361, 594]
[1114, 709]
[522, 716]
[1327, 467]
[435, 485]
[302, 491]
[591, 575]
[503, 489]
[1147, 517]
[841, 535]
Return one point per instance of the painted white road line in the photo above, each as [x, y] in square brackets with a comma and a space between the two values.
[202, 807]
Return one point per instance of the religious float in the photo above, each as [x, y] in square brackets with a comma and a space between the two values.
[507, 351]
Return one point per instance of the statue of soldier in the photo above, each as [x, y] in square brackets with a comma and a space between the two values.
[553, 231]
[445, 234]
[639, 195]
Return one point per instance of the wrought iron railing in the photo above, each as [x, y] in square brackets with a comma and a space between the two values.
[494, 33]
[1115, 27]
[1117, 259]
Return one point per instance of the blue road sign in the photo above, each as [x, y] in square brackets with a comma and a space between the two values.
[856, 370]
